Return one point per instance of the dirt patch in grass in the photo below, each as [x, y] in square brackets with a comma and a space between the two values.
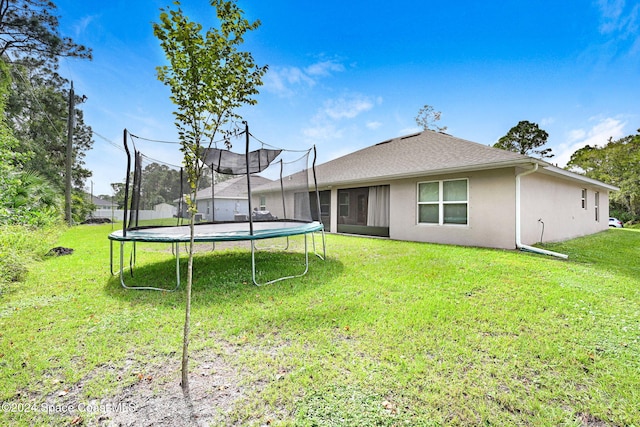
[155, 398]
[214, 390]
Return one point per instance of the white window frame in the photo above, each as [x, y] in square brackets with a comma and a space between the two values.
[584, 198]
[597, 206]
[263, 203]
[441, 203]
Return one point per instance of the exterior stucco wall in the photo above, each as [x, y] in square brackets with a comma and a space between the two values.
[558, 203]
[491, 209]
[273, 203]
[226, 209]
[491, 214]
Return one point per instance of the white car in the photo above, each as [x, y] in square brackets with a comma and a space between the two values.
[615, 222]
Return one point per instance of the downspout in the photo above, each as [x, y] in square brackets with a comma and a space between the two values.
[519, 243]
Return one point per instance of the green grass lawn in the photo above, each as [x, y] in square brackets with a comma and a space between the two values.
[381, 333]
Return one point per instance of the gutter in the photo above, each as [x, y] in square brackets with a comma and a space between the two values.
[519, 243]
[579, 178]
[415, 174]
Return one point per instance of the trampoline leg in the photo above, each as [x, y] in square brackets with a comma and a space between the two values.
[306, 256]
[253, 265]
[132, 258]
[148, 288]
[324, 248]
[122, 265]
[177, 266]
[111, 256]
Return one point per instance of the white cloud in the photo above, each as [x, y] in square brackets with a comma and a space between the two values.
[620, 24]
[545, 121]
[611, 11]
[576, 135]
[347, 107]
[373, 125]
[598, 135]
[324, 125]
[322, 133]
[83, 24]
[617, 18]
[410, 130]
[284, 81]
[324, 68]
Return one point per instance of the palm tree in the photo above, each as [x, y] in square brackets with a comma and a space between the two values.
[30, 199]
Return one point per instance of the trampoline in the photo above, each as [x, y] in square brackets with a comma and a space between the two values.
[291, 216]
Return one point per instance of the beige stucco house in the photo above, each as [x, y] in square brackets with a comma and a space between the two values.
[227, 200]
[433, 187]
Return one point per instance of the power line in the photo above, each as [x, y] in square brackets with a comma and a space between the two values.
[160, 161]
[31, 89]
[108, 141]
[152, 140]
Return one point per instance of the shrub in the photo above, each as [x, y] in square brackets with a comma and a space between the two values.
[81, 207]
[26, 198]
[21, 245]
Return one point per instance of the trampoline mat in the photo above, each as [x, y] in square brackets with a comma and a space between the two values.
[217, 232]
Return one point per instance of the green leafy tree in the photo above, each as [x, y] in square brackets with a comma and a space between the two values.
[616, 163]
[209, 78]
[10, 157]
[427, 118]
[29, 28]
[26, 198]
[82, 206]
[37, 110]
[118, 194]
[525, 138]
[37, 106]
[161, 184]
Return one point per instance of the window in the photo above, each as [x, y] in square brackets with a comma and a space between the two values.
[597, 206]
[263, 203]
[443, 202]
[584, 198]
[343, 204]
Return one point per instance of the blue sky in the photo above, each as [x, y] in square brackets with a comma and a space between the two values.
[348, 74]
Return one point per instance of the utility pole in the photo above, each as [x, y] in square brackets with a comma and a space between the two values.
[69, 160]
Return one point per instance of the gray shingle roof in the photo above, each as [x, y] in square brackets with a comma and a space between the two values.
[101, 202]
[423, 154]
[427, 152]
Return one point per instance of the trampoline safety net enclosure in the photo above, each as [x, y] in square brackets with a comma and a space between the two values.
[260, 193]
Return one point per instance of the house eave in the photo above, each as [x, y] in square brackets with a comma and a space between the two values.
[554, 170]
[431, 172]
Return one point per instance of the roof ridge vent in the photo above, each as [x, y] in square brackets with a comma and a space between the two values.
[384, 142]
[410, 136]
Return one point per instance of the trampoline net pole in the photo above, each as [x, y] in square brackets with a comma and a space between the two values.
[248, 171]
[126, 185]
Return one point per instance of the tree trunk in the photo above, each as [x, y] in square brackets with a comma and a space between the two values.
[187, 317]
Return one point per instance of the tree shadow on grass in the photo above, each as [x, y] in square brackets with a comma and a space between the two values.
[221, 277]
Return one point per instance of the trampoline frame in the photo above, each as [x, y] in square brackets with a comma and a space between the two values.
[234, 232]
[252, 162]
